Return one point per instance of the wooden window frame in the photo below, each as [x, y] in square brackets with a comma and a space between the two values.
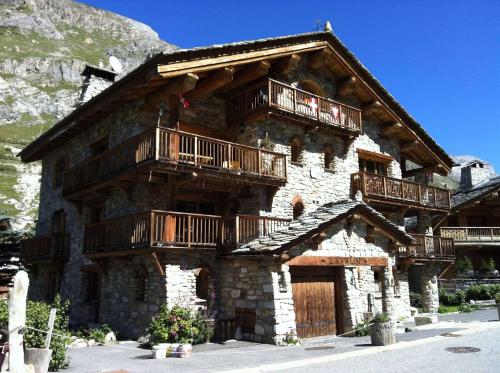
[378, 159]
[296, 151]
[329, 157]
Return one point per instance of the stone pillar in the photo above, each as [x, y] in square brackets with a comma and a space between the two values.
[430, 294]
[388, 293]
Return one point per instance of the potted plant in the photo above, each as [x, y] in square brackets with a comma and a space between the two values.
[497, 301]
[382, 330]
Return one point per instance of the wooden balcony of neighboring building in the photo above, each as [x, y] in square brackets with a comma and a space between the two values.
[163, 150]
[283, 101]
[429, 248]
[156, 231]
[385, 190]
[472, 236]
[45, 249]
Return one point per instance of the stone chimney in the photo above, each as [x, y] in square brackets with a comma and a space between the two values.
[96, 79]
[474, 173]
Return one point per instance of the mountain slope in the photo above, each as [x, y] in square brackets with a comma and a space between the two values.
[44, 46]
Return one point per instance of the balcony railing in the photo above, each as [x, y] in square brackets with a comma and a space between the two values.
[178, 148]
[429, 247]
[157, 229]
[273, 94]
[472, 234]
[45, 248]
[391, 190]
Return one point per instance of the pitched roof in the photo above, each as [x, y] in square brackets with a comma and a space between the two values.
[68, 126]
[465, 196]
[325, 216]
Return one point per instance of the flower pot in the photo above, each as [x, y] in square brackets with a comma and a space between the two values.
[383, 334]
[184, 350]
[158, 352]
[171, 349]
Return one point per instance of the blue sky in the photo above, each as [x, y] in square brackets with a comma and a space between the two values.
[440, 59]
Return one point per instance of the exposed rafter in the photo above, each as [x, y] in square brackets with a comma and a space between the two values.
[179, 86]
[392, 129]
[408, 146]
[211, 83]
[287, 64]
[247, 74]
[345, 86]
[371, 107]
[437, 168]
[320, 59]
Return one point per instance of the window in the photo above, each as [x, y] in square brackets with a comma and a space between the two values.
[138, 285]
[99, 147]
[373, 167]
[298, 210]
[202, 283]
[378, 276]
[296, 150]
[372, 162]
[92, 286]
[59, 222]
[328, 158]
[53, 286]
[59, 169]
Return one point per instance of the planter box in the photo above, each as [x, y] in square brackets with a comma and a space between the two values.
[383, 334]
[39, 358]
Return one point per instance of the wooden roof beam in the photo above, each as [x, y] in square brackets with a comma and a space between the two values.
[392, 129]
[320, 59]
[371, 107]
[247, 74]
[179, 86]
[409, 146]
[287, 64]
[345, 86]
[211, 83]
[436, 168]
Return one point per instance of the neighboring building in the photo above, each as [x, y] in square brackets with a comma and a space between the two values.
[225, 177]
[474, 220]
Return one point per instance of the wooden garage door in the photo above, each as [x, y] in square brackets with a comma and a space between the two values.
[314, 301]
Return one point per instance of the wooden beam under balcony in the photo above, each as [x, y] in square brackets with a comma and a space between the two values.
[409, 146]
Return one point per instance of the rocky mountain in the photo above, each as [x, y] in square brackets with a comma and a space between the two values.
[44, 46]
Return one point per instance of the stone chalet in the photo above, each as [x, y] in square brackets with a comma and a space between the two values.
[265, 181]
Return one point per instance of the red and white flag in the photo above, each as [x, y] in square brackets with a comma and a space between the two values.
[183, 101]
[313, 104]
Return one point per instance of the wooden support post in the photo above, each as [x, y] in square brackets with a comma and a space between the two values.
[157, 264]
[50, 326]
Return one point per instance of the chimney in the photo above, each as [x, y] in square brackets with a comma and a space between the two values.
[96, 79]
[473, 174]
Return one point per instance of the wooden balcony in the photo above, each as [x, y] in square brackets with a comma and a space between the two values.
[154, 231]
[45, 249]
[429, 248]
[392, 191]
[170, 151]
[275, 98]
[466, 236]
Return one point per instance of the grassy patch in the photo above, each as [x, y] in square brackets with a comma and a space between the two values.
[20, 133]
[7, 192]
[447, 309]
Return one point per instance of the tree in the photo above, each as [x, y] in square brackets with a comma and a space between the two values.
[463, 265]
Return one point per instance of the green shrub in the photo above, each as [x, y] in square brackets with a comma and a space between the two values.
[98, 334]
[416, 300]
[362, 329]
[497, 298]
[463, 265]
[180, 325]
[487, 265]
[447, 299]
[465, 307]
[37, 316]
[482, 292]
[380, 318]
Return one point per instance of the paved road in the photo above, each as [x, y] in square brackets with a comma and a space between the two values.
[432, 357]
[244, 355]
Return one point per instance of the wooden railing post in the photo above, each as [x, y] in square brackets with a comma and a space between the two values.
[195, 150]
[419, 194]
[259, 162]
[229, 157]
[295, 101]
[157, 143]
[189, 228]
[237, 230]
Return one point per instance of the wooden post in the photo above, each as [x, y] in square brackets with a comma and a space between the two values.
[237, 230]
[17, 321]
[50, 326]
